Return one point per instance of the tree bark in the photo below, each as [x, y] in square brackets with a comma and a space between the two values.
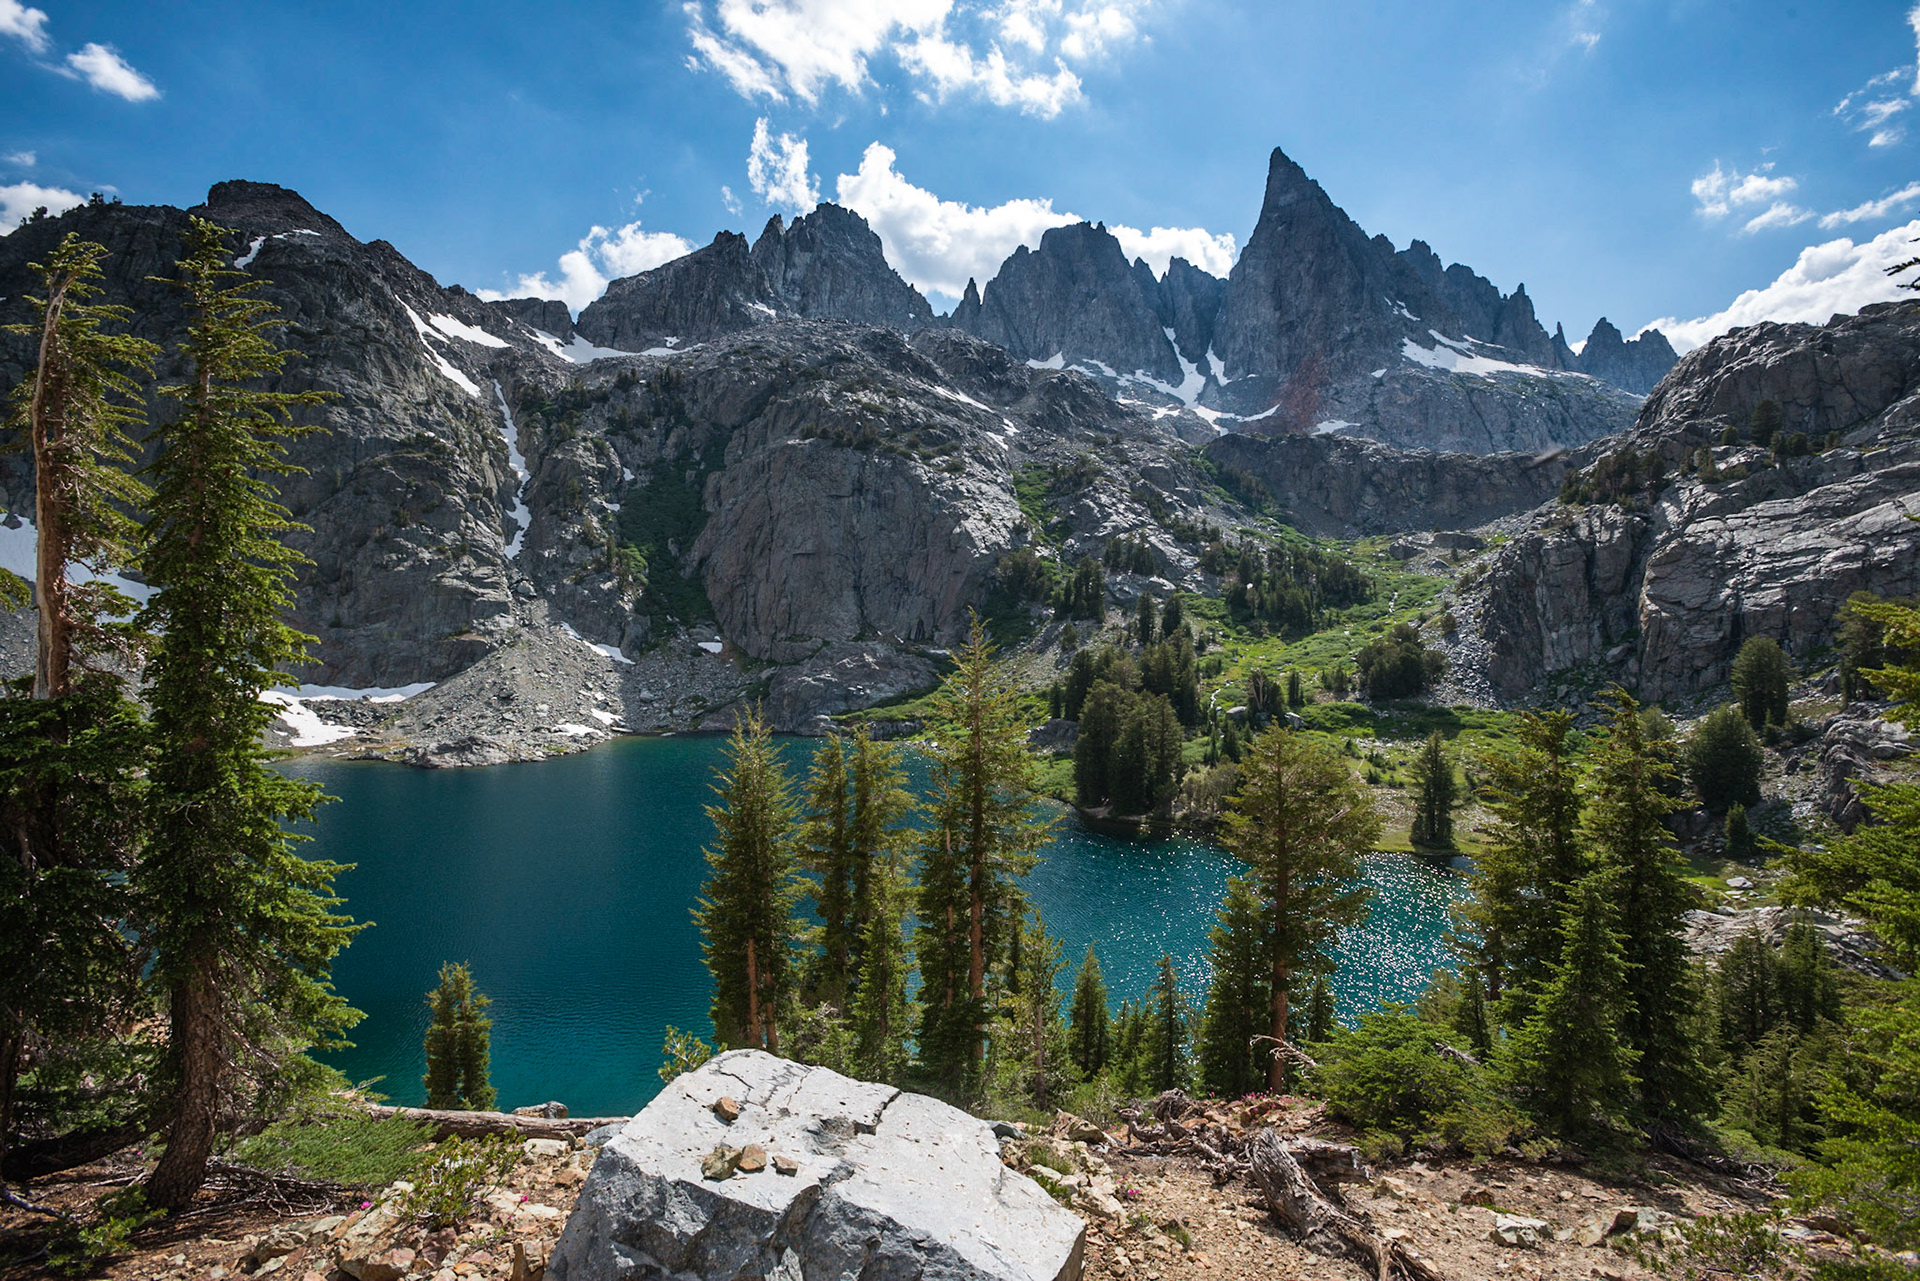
[450, 1123]
[200, 1061]
[753, 999]
[47, 422]
[1315, 1222]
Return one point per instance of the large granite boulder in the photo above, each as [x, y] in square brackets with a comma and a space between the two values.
[855, 1180]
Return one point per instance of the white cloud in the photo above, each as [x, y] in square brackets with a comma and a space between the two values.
[777, 170]
[730, 202]
[28, 26]
[1835, 278]
[1874, 209]
[1721, 191]
[1210, 253]
[23, 159]
[601, 256]
[22, 198]
[102, 67]
[1779, 214]
[1874, 108]
[938, 245]
[1014, 53]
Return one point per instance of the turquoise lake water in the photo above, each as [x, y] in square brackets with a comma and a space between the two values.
[567, 884]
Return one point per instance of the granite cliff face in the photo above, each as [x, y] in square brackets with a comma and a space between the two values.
[1661, 591]
[830, 265]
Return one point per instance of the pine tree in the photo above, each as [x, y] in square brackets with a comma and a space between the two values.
[1164, 1052]
[881, 1020]
[1627, 799]
[1232, 1061]
[1296, 696]
[1174, 618]
[1320, 1011]
[748, 932]
[881, 812]
[1724, 760]
[459, 1043]
[983, 837]
[1433, 802]
[243, 931]
[1746, 989]
[1759, 677]
[1570, 1062]
[1230, 746]
[71, 756]
[1042, 1040]
[1302, 822]
[1808, 986]
[1146, 626]
[827, 849]
[1087, 1020]
[1522, 879]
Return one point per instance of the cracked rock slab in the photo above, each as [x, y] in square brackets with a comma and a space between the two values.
[886, 1186]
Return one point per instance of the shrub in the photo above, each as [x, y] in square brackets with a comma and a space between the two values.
[1386, 1076]
[682, 1052]
[80, 1247]
[339, 1143]
[446, 1191]
[1398, 665]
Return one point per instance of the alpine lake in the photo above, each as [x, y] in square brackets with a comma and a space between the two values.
[567, 885]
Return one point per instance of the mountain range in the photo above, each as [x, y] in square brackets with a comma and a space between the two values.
[825, 478]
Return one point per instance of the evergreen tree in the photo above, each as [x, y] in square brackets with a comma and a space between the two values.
[982, 839]
[1173, 619]
[1146, 626]
[1760, 675]
[1230, 746]
[1302, 822]
[1433, 803]
[458, 1043]
[1739, 836]
[1808, 986]
[1041, 1039]
[71, 755]
[1087, 1023]
[1746, 990]
[827, 850]
[1522, 879]
[243, 931]
[1765, 421]
[1724, 760]
[882, 810]
[1627, 800]
[1232, 1061]
[748, 932]
[1571, 1062]
[1164, 1051]
[1296, 697]
[881, 1020]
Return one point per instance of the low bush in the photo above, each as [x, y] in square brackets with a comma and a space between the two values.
[337, 1142]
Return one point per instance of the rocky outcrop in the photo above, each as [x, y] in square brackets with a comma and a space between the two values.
[1636, 366]
[712, 291]
[1333, 487]
[1664, 590]
[829, 265]
[1075, 298]
[757, 1166]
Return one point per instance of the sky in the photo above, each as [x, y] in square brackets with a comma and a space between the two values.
[1693, 163]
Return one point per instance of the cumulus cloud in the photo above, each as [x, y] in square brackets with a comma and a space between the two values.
[102, 67]
[1873, 210]
[1160, 246]
[1723, 190]
[938, 245]
[1014, 53]
[1835, 278]
[22, 198]
[601, 256]
[1780, 213]
[28, 26]
[777, 170]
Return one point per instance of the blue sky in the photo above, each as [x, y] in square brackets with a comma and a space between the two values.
[1637, 160]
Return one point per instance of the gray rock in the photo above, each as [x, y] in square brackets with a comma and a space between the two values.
[830, 265]
[887, 1186]
[1636, 366]
[1845, 939]
[1517, 1230]
[715, 290]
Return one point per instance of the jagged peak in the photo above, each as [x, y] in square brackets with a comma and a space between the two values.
[265, 204]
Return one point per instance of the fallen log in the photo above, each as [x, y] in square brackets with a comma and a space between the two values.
[37, 1158]
[1320, 1225]
[475, 1125]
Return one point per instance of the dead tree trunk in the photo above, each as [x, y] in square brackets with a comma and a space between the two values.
[1317, 1223]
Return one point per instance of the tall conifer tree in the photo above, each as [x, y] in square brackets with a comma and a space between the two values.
[1087, 1020]
[459, 1043]
[984, 833]
[828, 849]
[1240, 997]
[1433, 795]
[1303, 822]
[71, 750]
[243, 930]
[748, 931]
[1628, 794]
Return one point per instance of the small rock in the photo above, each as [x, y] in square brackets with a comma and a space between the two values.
[1516, 1230]
[753, 1159]
[721, 1162]
[546, 1111]
[1739, 883]
[727, 1108]
[1398, 1189]
[785, 1165]
[546, 1147]
[1477, 1195]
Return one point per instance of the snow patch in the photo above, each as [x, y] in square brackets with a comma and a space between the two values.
[1332, 426]
[1400, 308]
[1219, 368]
[1456, 357]
[1056, 361]
[1379, 373]
[579, 350]
[429, 336]
[253, 251]
[522, 518]
[712, 647]
[960, 396]
[302, 722]
[605, 651]
[573, 731]
[347, 693]
[763, 309]
[604, 717]
[453, 328]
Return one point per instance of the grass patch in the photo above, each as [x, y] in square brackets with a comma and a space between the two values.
[338, 1143]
